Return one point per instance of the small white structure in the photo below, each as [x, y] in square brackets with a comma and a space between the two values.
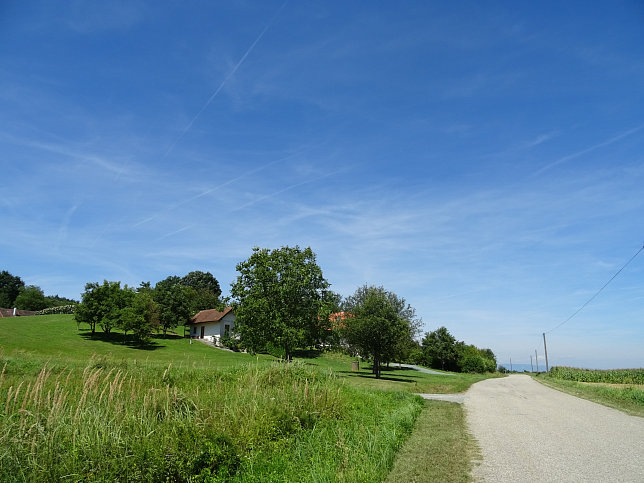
[212, 324]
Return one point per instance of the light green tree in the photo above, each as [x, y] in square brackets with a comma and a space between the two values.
[278, 296]
[379, 324]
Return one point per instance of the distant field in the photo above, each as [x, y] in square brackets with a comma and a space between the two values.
[77, 408]
[620, 389]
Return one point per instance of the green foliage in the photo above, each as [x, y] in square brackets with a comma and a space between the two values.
[473, 359]
[174, 300]
[113, 307]
[278, 295]
[610, 376]
[442, 351]
[31, 298]
[10, 288]
[101, 305]
[380, 325]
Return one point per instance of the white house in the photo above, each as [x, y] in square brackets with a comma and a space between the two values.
[212, 324]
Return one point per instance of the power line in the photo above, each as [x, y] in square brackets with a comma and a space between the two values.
[598, 292]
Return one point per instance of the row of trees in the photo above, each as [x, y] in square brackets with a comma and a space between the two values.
[440, 350]
[14, 293]
[146, 309]
[283, 300]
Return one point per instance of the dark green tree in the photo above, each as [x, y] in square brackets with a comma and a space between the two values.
[278, 295]
[206, 290]
[10, 288]
[202, 281]
[380, 324]
[174, 301]
[31, 298]
[440, 350]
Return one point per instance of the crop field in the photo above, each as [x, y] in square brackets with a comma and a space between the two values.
[73, 408]
[621, 389]
[612, 376]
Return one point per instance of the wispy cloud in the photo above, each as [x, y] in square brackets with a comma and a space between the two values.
[577, 154]
[118, 168]
[232, 72]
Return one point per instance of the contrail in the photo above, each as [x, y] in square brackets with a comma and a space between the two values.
[587, 150]
[215, 188]
[223, 83]
[272, 195]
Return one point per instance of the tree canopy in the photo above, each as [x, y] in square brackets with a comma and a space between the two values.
[10, 288]
[174, 300]
[441, 350]
[278, 296]
[379, 325]
[31, 298]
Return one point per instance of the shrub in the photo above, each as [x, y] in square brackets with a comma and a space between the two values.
[62, 309]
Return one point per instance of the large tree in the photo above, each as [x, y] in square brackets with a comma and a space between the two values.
[10, 288]
[31, 298]
[206, 290]
[101, 304]
[278, 295]
[378, 324]
[174, 302]
[439, 347]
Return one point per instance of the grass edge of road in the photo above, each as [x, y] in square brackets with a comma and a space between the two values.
[439, 449]
[613, 397]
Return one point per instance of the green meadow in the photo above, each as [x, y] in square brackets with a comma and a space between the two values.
[73, 408]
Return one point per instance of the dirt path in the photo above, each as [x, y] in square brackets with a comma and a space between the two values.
[528, 432]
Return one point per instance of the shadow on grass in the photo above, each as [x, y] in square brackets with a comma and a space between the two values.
[384, 376]
[117, 338]
[307, 353]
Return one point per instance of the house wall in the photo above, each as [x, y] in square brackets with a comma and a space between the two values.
[213, 330]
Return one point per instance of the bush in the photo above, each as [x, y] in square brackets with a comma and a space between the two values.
[62, 309]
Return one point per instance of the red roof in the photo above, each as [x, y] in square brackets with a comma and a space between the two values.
[210, 315]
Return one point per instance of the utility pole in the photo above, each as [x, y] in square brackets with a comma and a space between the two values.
[545, 349]
[510, 364]
[536, 358]
[531, 366]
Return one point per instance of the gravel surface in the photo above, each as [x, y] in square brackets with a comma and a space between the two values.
[422, 369]
[529, 432]
[455, 398]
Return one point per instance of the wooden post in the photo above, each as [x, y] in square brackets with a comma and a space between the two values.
[536, 357]
[545, 349]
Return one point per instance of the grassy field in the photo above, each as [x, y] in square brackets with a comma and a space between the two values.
[80, 409]
[619, 389]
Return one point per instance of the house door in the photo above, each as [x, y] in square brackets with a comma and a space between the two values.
[203, 328]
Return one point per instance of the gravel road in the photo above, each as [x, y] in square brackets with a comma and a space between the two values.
[528, 432]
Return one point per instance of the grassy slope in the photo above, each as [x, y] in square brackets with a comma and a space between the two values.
[629, 399]
[57, 339]
[439, 447]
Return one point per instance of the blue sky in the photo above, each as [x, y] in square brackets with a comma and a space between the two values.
[484, 160]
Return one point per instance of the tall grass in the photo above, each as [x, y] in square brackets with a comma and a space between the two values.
[282, 422]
